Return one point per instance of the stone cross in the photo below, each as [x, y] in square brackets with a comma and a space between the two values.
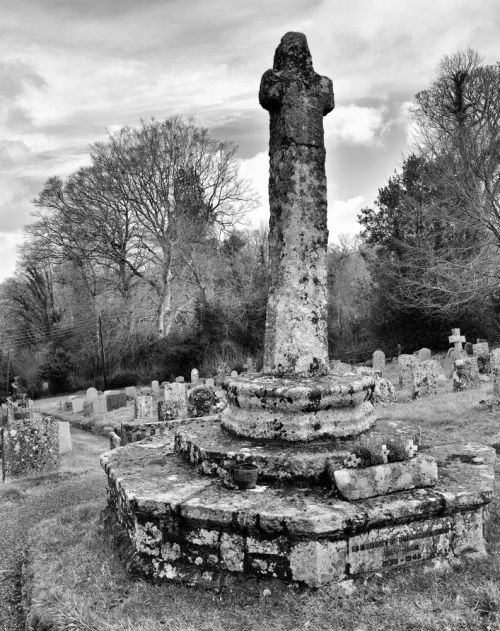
[297, 98]
[352, 462]
[385, 453]
[457, 339]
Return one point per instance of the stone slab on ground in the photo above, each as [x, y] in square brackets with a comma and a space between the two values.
[184, 525]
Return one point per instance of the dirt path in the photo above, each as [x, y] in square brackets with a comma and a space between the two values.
[23, 504]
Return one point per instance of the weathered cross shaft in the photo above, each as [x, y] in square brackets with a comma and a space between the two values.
[297, 98]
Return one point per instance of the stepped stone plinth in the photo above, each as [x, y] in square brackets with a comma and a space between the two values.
[307, 520]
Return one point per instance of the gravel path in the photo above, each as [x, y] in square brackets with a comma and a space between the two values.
[81, 479]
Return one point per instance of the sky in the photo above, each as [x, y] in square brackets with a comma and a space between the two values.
[71, 71]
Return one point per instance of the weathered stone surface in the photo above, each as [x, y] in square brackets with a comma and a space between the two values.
[406, 364]
[88, 408]
[131, 392]
[29, 447]
[293, 534]
[296, 409]
[175, 400]
[297, 98]
[378, 361]
[457, 340]
[466, 374]
[384, 391]
[143, 406]
[115, 400]
[355, 484]
[195, 376]
[100, 404]
[424, 354]
[424, 382]
[481, 348]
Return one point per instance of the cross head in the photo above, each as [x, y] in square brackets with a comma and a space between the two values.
[352, 462]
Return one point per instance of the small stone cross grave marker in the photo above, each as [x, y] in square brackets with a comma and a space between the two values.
[457, 340]
[411, 448]
[352, 462]
[385, 453]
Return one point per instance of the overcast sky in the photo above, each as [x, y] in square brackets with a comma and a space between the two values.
[72, 69]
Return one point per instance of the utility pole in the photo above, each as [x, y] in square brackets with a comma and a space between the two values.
[103, 357]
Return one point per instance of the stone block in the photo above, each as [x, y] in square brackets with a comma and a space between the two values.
[424, 381]
[210, 382]
[77, 405]
[115, 400]
[384, 391]
[30, 447]
[316, 563]
[481, 348]
[175, 400]
[143, 406]
[65, 445]
[195, 376]
[232, 552]
[155, 387]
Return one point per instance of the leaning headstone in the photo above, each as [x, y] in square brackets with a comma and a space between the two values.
[175, 403]
[77, 405]
[424, 354]
[65, 445]
[457, 340]
[155, 387]
[378, 362]
[30, 446]
[115, 400]
[466, 374]
[131, 392]
[495, 372]
[424, 382]
[92, 394]
[143, 405]
[405, 366]
[195, 376]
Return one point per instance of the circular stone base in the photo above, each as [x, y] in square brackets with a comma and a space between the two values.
[298, 409]
[188, 527]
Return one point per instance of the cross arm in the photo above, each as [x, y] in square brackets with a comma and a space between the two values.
[270, 92]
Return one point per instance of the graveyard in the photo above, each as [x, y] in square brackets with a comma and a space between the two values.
[308, 493]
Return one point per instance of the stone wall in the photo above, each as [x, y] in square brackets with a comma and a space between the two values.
[29, 447]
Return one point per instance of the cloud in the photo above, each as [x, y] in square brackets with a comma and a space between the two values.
[9, 244]
[354, 124]
[342, 216]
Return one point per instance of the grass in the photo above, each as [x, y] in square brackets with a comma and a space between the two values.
[80, 583]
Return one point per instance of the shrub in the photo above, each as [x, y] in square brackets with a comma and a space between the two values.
[122, 379]
[369, 449]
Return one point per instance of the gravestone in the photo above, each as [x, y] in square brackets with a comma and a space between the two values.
[378, 362]
[77, 405]
[131, 392]
[88, 408]
[210, 382]
[457, 340]
[30, 446]
[175, 404]
[481, 348]
[424, 382]
[384, 391]
[20, 409]
[92, 394]
[195, 376]
[155, 387]
[143, 405]
[424, 354]
[179, 379]
[495, 372]
[100, 404]
[65, 445]
[406, 363]
[222, 372]
[466, 374]
[234, 374]
[468, 348]
[115, 400]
